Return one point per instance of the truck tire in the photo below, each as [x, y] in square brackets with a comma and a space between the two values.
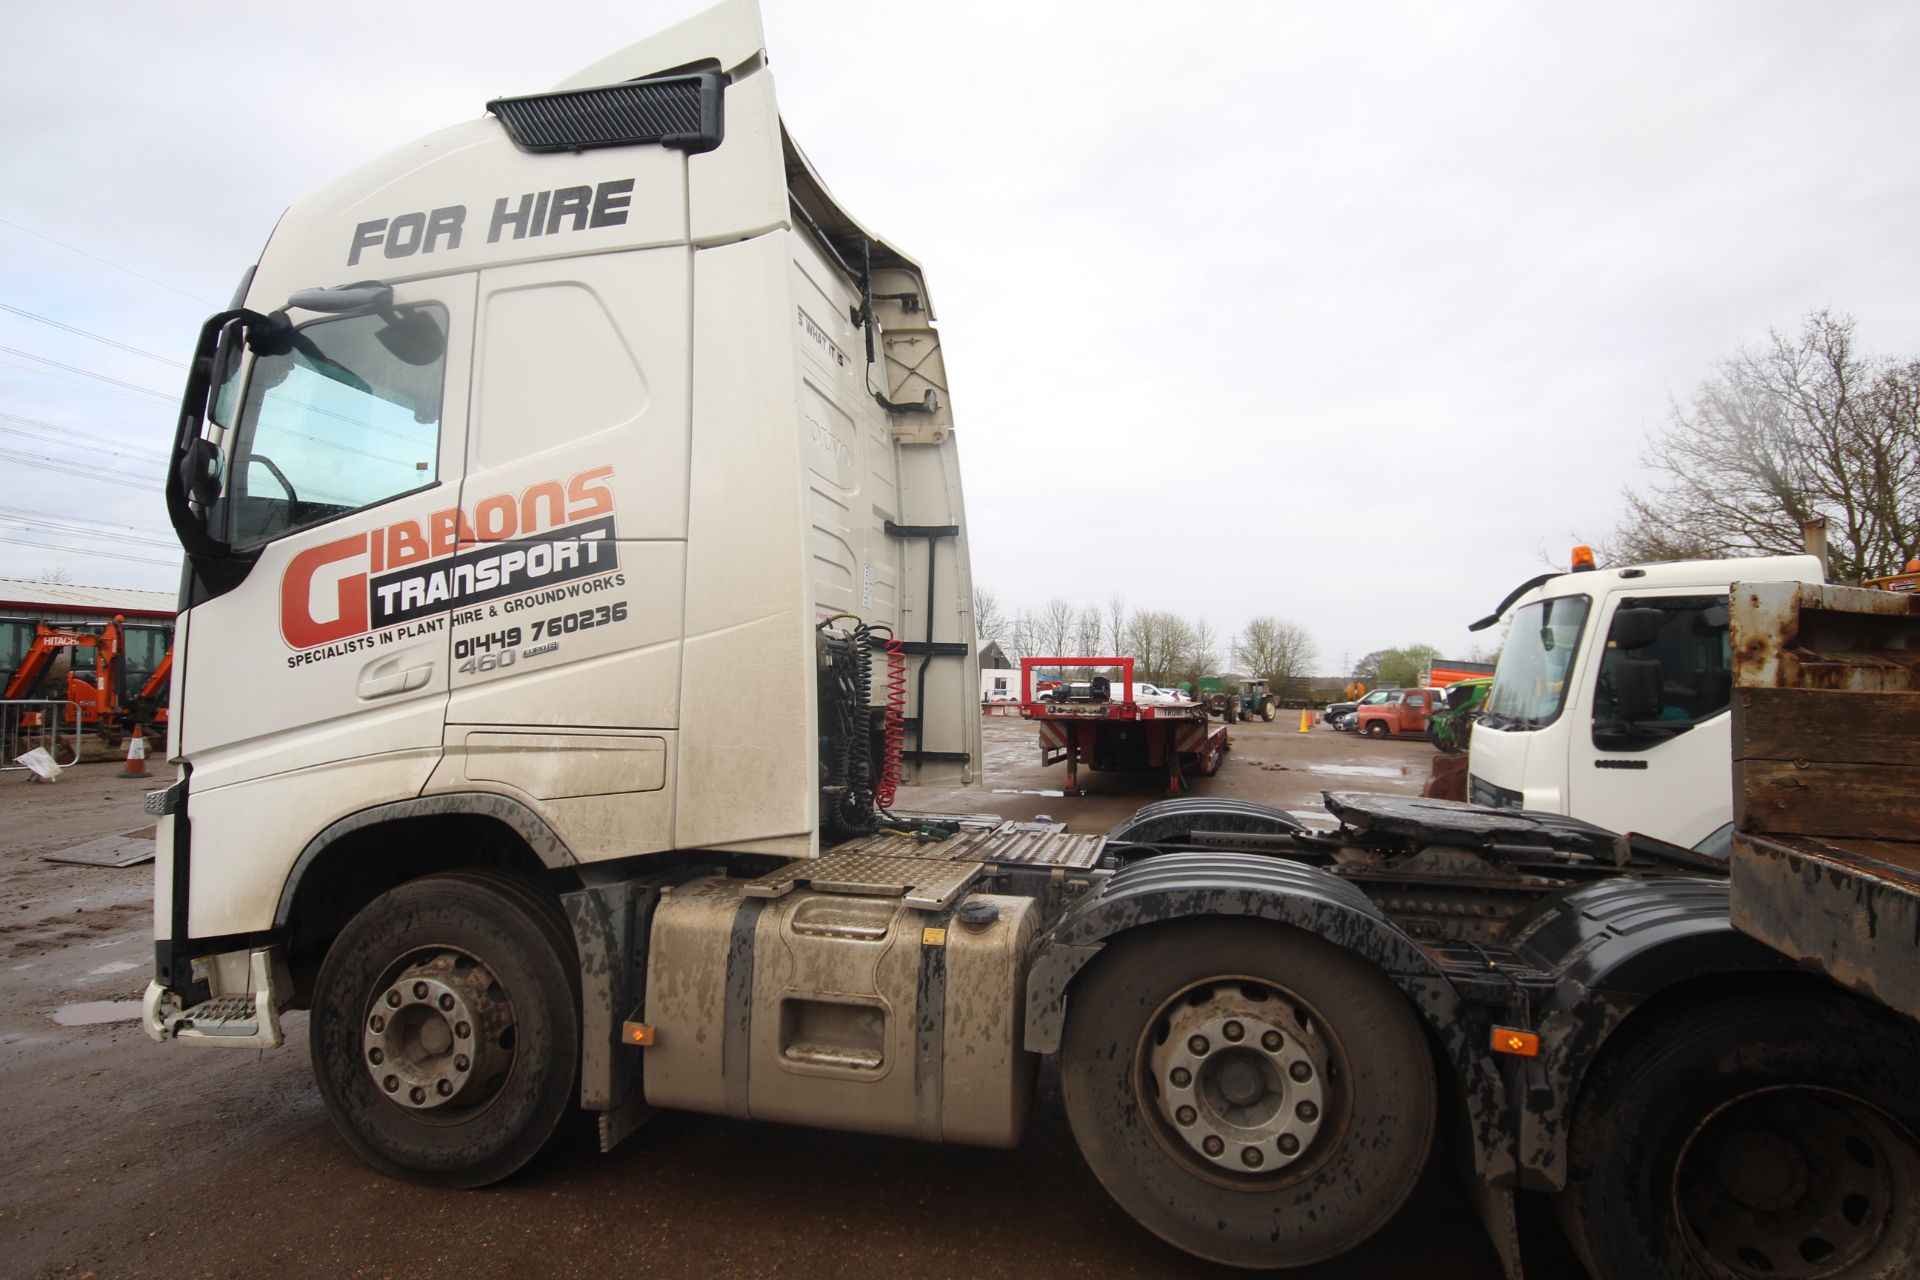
[1247, 1092]
[1375, 728]
[1268, 712]
[1772, 1135]
[477, 959]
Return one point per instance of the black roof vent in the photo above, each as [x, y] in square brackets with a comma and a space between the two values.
[678, 111]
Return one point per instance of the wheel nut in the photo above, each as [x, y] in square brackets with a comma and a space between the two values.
[393, 998]
[1301, 1071]
[1181, 1077]
[1271, 1042]
[376, 1056]
[1213, 1146]
[462, 1030]
[446, 1003]
[1307, 1111]
[444, 1088]
[1185, 1115]
[1233, 1031]
[460, 1062]
[378, 1023]
[391, 1084]
[419, 991]
[1198, 1045]
[1251, 1157]
[1288, 1144]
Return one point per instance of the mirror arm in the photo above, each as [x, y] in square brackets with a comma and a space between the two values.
[191, 528]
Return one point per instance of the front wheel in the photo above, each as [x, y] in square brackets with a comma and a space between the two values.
[445, 1031]
[1268, 712]
[1767, 1136]
[1376, 729]
[1247, 1092]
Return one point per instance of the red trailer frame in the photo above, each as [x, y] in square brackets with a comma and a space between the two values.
[1092, 731]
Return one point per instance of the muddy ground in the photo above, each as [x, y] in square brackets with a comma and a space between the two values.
[124, 1158]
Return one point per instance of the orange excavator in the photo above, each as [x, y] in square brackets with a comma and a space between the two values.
[105, 706]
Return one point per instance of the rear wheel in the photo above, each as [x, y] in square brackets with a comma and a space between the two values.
[1268, 711]
[1248, 1093]
[1770, 1136]
[445, 1030]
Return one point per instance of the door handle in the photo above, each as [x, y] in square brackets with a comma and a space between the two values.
[386, 677]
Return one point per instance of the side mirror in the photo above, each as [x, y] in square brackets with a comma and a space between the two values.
[1636, 628]
[199, 471]
[1637, 687]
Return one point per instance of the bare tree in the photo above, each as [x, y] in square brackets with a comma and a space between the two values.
[1805, 425]
[1116, 624]
[1055, 628]
[54, 578]
[1021, 641]
[1276, 650]
[1086, 633]
[988, 622]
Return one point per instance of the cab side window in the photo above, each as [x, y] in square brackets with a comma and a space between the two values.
[1687, 636]
[346, 417]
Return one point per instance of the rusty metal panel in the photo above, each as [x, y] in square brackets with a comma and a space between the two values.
[1796, 635]
[1852, 917]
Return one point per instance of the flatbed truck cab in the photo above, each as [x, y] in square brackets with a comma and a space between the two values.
[1610, 700]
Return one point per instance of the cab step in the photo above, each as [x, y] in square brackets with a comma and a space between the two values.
[248, 1020]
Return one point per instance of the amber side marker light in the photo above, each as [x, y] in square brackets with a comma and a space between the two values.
[1521, 1044]
[639, 1033]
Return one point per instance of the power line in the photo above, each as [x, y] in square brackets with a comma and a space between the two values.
[138, 530]
[68, 379]
[87, 333]
[88, 373]
[71, 529]
[89, 551]
[108, 262]
[45, 463]
[36, 435]
[75, 431]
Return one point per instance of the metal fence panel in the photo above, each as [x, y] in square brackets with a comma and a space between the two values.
[26, 723]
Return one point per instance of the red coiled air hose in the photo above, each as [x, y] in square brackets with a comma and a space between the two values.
[896, 730]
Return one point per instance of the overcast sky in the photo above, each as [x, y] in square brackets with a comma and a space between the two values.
[1352, 314]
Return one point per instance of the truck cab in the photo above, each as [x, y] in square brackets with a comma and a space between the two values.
[1610, 701]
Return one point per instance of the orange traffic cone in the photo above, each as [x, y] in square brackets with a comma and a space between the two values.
[136, 766]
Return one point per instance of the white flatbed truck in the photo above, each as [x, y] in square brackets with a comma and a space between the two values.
[620, 425]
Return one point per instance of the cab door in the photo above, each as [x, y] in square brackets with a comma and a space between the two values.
[339, 453]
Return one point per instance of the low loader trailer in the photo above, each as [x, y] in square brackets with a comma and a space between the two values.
[577, 572]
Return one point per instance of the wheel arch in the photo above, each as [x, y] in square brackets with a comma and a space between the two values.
[363, 855]
[1629, 954]
[1183, 887]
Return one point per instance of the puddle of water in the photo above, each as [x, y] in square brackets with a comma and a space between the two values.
[1015, 791]
[18, 967]
[118, 966]
[90, 1013]
[1359, 770]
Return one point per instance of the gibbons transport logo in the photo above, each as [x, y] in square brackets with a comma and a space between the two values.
[545, 535]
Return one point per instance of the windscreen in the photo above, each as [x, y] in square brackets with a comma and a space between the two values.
[1530, 684]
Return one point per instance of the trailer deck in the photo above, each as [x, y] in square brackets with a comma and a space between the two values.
[1110, 733]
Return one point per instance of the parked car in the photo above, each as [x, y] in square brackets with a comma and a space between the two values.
[1337, 709]
[1344, 722]
[1402, 713]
